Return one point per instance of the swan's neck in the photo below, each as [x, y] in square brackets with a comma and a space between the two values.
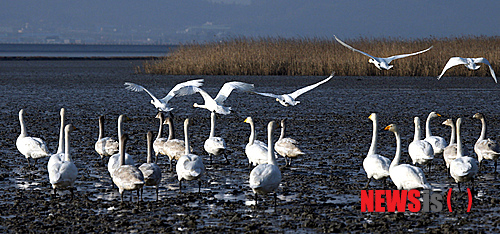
[150, 148]
[121, 160]
[61, 146]
[459, 142]
[428, 127]
[212, 124]
[416, 137]
[395, 161]
[101, 128]
[23, 127]
[270, 148]
[120, 123]
[453, 134]
[251, 139]
[282, 135]
[373, 146]
[160, 130]
[171, 133]
[483, 129]
[67, 156]
[186, 138]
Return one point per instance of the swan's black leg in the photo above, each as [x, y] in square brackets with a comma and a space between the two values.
[180, 186]
[199, 186]
[367, 183]
[156, 192]
[227, 160]
[122, 196]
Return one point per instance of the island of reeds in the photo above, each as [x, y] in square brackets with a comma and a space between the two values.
[319, 57]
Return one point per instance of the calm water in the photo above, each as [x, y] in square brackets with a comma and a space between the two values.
[82, 51]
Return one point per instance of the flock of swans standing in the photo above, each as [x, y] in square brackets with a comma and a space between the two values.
[462, 168]
[264, 178]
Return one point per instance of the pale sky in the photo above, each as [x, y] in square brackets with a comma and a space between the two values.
[287, 18]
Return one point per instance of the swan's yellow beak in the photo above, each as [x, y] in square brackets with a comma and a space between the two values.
[247, 120]
[387, 128]
[438, 114]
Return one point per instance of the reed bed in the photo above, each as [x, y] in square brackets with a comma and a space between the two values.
[319, 57]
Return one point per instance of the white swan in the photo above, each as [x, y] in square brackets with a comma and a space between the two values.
[214, 145]
[217, 104]
[150, 170]
[287, 147]
[381, 63]
[62, 174]
[105, 146]
[266, 178]
[59, 155]
[289, 99]
[375, 165]
[405, 176]
[127, 177]
[463, 168]
[450, 152]
[255, 150]
[114, 160]
[159, 142]
[30, 147]
[470, 63]
[180, 89]
[420, 151]
[174, 148]
[189, 166]
[486, 148]
[438, 143]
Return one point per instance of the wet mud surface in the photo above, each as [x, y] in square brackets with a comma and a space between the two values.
[320, 192]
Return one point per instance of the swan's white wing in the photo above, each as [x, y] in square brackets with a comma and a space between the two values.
[138, 88]
[269, 95]
[355, 50]
[206, 97]
[228, 87]
[453, 61]
[389, 59]
[485, 61]
[182, 89]
[299, 92]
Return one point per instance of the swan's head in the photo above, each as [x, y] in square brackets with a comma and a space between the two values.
[69, 128]
[248, 120]
[196, 105]
[416, 120]
[478, 116]
[62, 111]
[434, 114]
[168, 120]
[376, 63]
[392, 128]
[282, 101]
[448, 122]
[21, 112]
[160, 115]
[373, 117]
[459, 122]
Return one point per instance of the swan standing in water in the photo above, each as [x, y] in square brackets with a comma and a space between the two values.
[255, 150]
[127, 177]
[486, 148]
[420, 151]
[438, 143]
[189, 166]
[375, 165]
[289, 99]
[30, 147]
[217, 104]
[470, 63]
[405, 176]
[381, 63]
[450, 152]
[59, 155]
[215, 145]
[174, 148]
[463, 168]
[287, 147]
[180, 89]
[62, 174]
[105, 146]
[114, 160]
[266, 178]
[150, 170]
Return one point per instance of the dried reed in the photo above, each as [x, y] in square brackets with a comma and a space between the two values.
[317, 56]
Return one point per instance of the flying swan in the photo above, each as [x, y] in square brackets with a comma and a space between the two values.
[381, 63]
[217, 104]
[178, 90]
[289, 99]
[470, 63]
